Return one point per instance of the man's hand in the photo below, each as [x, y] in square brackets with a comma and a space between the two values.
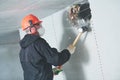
[71, 49]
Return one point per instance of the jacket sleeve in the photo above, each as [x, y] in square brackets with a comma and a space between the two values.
[52, 56]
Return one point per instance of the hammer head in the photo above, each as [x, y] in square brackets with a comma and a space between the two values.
[84, 26]
[86, 29]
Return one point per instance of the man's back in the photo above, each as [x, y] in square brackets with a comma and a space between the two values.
[37, 58]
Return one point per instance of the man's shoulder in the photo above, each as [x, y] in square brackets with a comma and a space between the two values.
[40, 41]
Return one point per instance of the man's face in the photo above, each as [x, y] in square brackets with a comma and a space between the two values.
[38, 25]
[41, 29]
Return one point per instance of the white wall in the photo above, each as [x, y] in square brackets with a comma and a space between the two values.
[106, 17]
[10, 68]
[97, 53]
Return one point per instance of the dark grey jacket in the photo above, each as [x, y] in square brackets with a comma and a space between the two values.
[37, 58]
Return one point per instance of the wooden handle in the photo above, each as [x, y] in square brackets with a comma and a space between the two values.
[76, 39]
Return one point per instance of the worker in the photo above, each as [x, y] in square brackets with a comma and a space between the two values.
[36, 55]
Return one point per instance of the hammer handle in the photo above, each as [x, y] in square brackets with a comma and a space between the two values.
[76, 39]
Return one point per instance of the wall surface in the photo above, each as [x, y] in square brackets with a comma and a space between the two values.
[97, 52]
[10, 67]
[106, 25]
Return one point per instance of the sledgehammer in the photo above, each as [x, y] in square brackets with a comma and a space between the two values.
[81, 31]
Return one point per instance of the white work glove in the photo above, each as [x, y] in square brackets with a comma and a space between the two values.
[71, 49]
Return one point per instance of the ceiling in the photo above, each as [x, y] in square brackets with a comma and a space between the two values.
[12, 12]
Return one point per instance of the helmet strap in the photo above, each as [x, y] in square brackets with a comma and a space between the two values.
[31, 25]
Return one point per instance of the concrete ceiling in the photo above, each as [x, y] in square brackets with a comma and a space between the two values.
[12, 12]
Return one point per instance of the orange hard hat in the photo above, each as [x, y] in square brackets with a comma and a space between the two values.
[25, 22]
